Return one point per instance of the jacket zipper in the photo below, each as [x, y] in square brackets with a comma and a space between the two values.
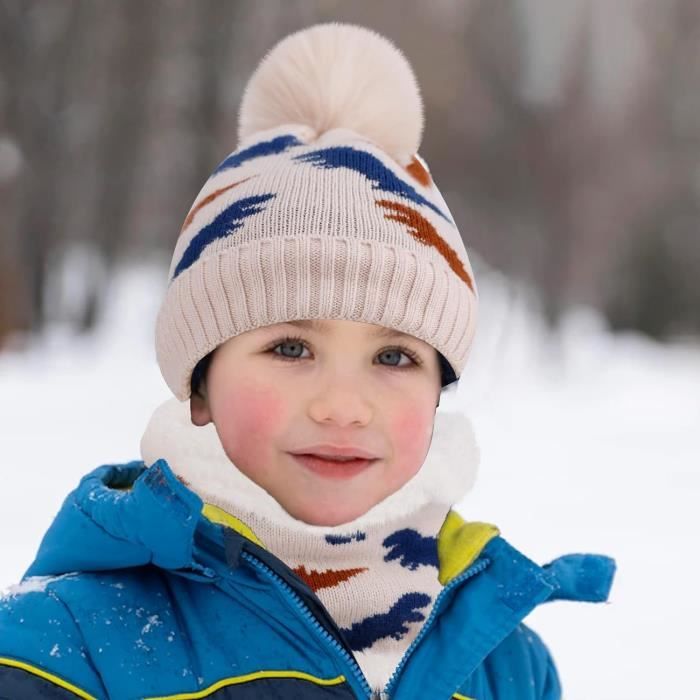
[316, 626]
[330, 639]
[471, 571]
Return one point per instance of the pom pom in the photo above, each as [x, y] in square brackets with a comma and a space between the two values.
[337, 75]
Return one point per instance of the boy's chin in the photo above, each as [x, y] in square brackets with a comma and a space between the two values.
[312, 515]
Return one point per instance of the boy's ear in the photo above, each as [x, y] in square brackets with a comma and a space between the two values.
[199, 410]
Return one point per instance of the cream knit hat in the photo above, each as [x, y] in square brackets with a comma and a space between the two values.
[325, 210]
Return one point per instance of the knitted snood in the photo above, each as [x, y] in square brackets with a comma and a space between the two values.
[376, 575]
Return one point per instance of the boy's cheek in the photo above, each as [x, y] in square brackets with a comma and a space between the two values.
[411, 430]
[252, 410]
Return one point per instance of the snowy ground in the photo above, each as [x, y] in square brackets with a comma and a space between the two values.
[590, 445]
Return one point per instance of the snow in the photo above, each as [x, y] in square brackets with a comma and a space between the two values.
[33, 584]
[153, 621]
[588, 445]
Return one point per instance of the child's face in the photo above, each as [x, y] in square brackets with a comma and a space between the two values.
[338, 385]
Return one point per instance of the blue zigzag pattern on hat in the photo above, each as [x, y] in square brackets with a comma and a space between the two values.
[362, 635]
[411, 549]
[371, 167]
[265, 148]
[230, 219]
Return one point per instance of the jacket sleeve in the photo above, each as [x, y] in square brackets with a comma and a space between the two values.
[42, 654]
[543, 669]
[521, 668]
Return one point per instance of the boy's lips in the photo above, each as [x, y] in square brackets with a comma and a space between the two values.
[330, 451]
[333, 469]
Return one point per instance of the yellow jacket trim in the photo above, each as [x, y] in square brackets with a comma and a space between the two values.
[459, 696]
[459, 544]
[251, 677]
[47, 676]
[221, 517]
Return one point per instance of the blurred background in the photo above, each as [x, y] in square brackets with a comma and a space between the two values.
[565, 138]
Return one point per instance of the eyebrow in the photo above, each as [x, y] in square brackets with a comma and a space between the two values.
[319, 326]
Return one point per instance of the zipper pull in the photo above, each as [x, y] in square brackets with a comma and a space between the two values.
[379, 695]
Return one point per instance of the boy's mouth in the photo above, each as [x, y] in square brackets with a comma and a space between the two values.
[333, 467]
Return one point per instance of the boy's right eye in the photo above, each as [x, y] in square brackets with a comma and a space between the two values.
[295, 343]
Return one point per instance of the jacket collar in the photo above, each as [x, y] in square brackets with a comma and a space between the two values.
[128, 515]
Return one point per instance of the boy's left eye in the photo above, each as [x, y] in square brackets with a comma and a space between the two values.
[298, 345]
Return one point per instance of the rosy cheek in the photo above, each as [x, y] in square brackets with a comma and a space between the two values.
[410, 432]
[255, 412]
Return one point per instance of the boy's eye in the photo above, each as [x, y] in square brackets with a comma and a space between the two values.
[296, 345]
[395, 353]
[392, 355]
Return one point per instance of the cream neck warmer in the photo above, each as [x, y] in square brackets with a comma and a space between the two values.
[376, 575]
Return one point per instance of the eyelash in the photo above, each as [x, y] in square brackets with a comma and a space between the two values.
[297, 339]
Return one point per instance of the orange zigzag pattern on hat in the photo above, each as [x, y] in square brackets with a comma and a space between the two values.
[422, 230]
[418, 171]
[326, 579]
[210, 198]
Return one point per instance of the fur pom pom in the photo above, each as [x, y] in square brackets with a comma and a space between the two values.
[337, 75]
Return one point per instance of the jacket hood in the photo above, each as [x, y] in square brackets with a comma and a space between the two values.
[121, 516]
[130, 515]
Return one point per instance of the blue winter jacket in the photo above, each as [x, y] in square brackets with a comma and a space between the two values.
[139, 590]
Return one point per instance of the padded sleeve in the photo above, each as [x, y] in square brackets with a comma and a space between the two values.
[543, 669]
[42, 653]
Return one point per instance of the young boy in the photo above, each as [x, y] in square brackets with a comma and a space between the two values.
[289, 531]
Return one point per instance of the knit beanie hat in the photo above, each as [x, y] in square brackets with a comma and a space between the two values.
[325, 210]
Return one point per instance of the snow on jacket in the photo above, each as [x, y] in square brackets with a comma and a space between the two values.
[140, 590]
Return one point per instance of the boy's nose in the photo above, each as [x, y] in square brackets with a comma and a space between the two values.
[341, 405]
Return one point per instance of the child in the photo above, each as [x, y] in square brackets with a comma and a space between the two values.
[289, 532]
